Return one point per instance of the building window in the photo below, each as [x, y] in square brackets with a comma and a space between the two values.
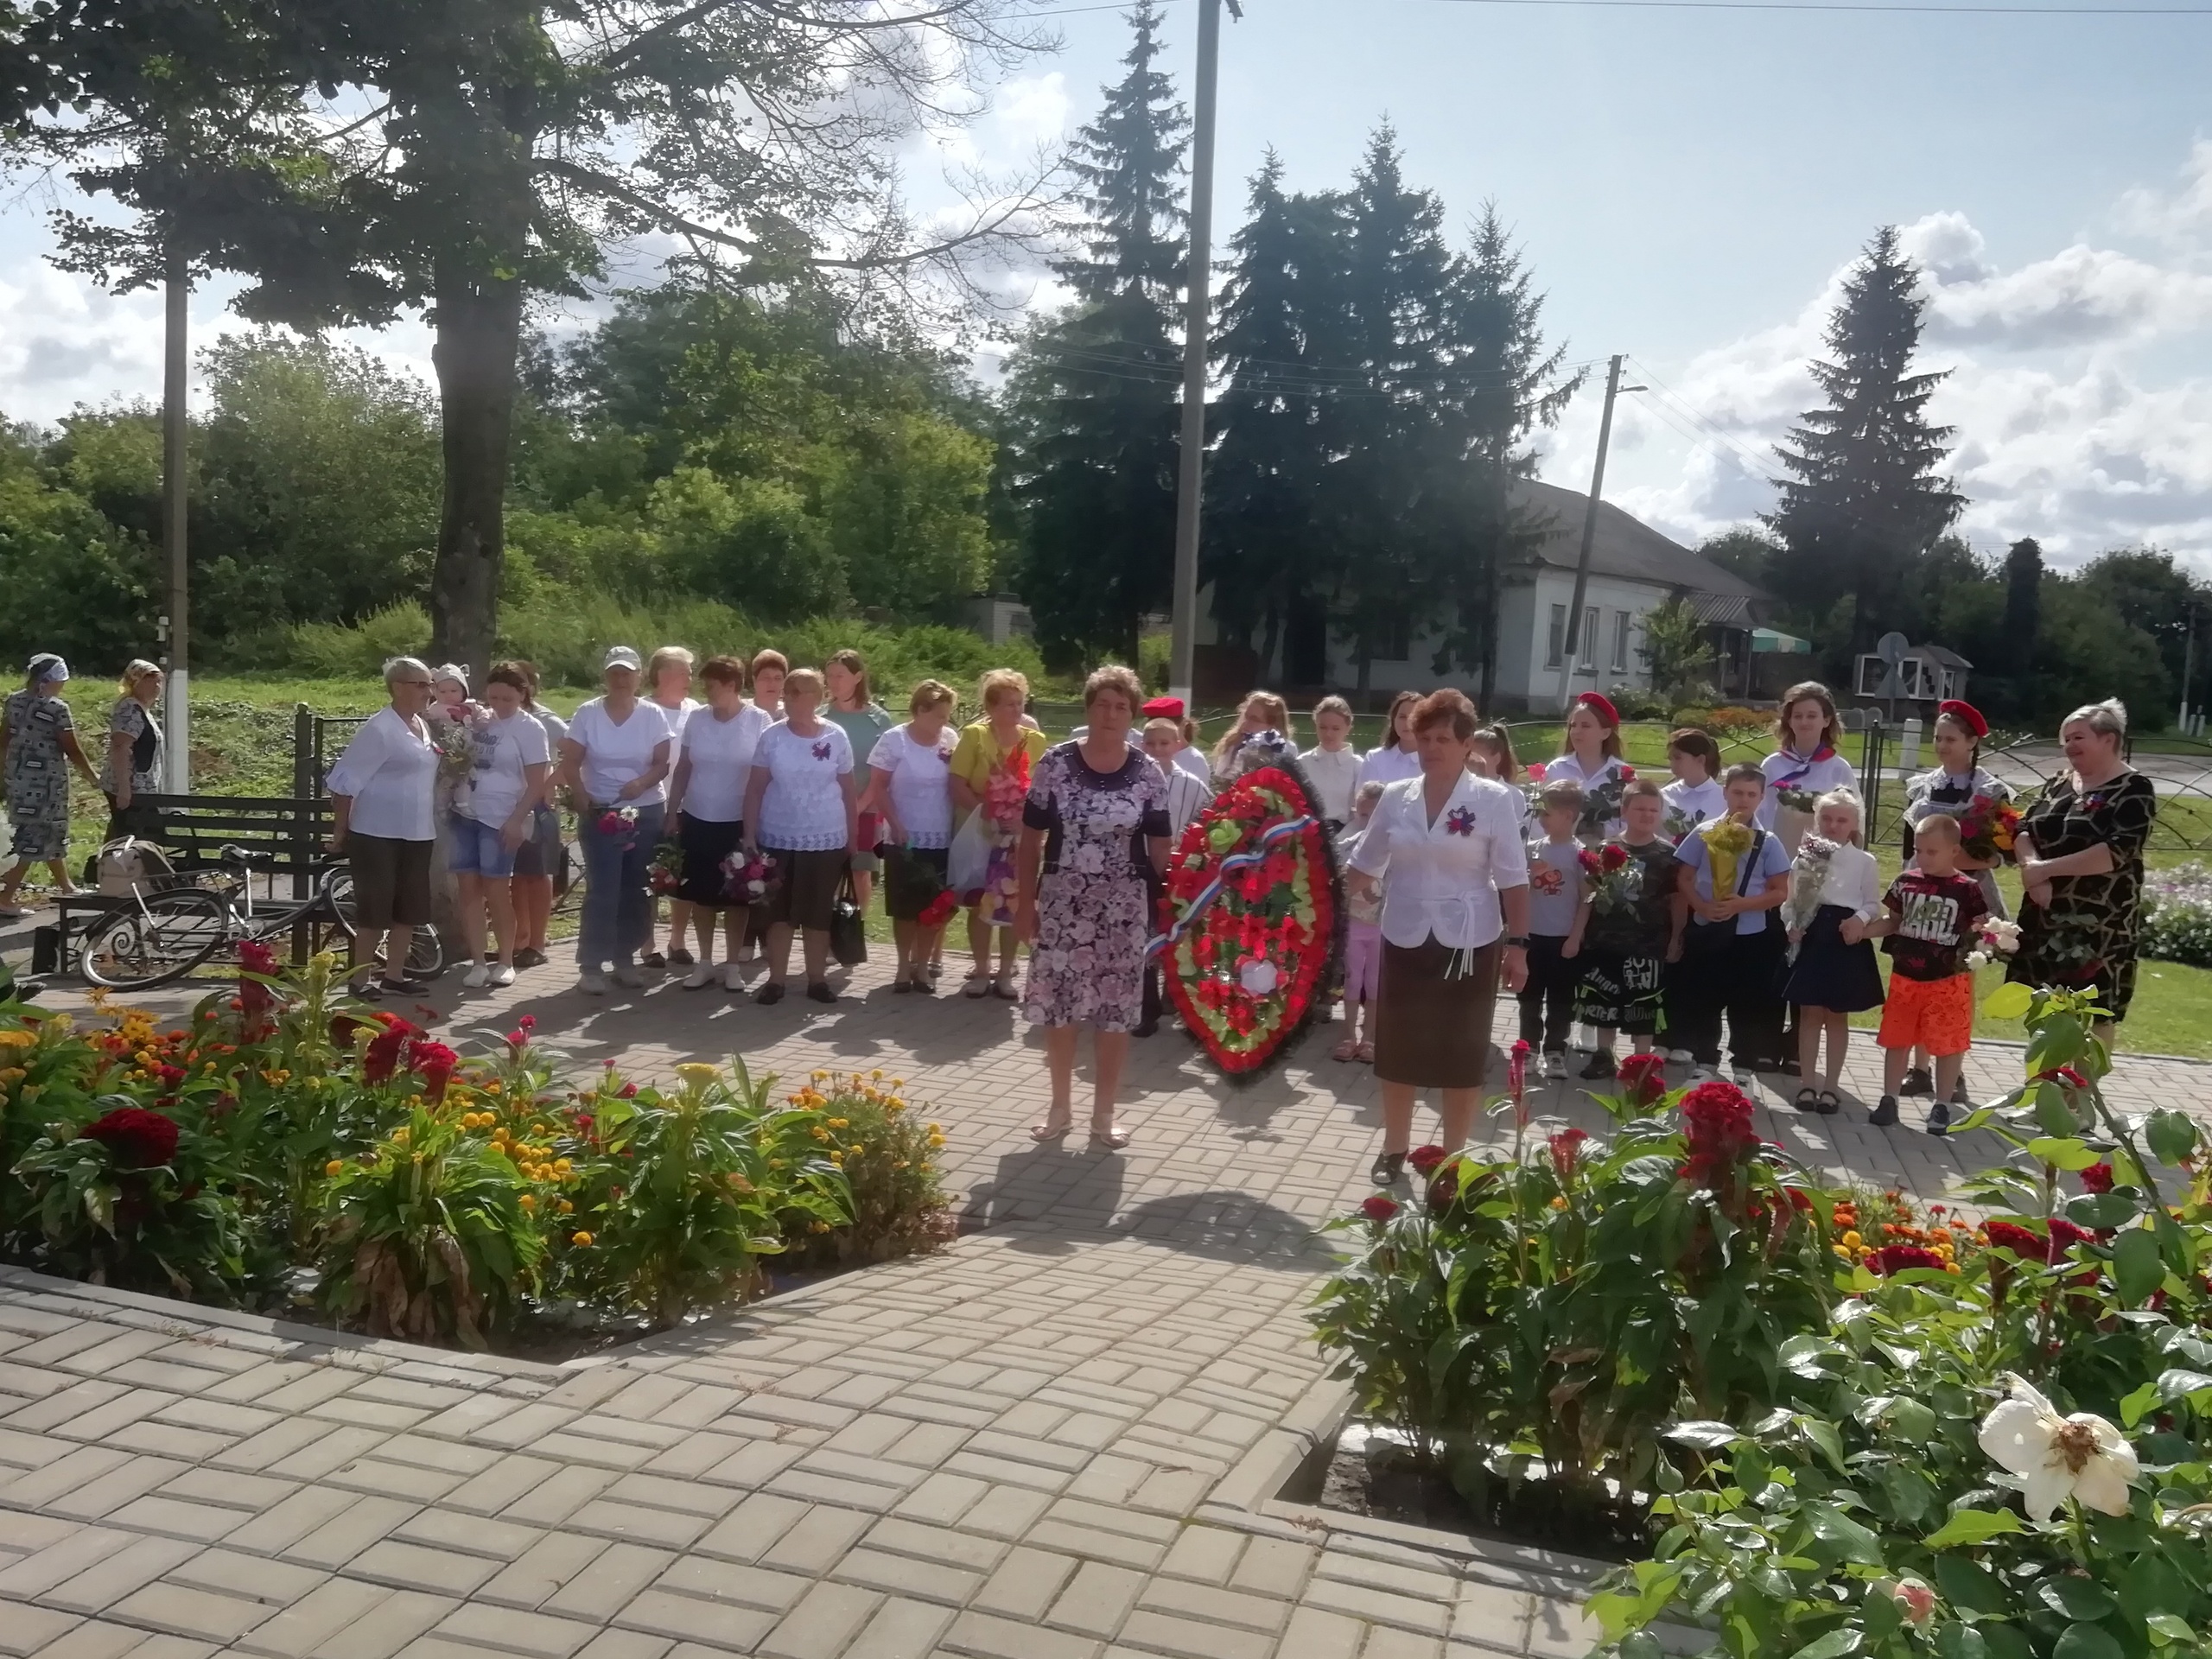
[1589, 640]
[1394, 643]
[1621, 620]
[1557, 654]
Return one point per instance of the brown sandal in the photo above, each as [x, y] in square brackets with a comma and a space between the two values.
[1346, 1049]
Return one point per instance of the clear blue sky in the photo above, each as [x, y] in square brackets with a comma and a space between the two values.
[1688, 186]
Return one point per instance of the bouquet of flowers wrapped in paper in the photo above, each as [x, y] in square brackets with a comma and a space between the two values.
[456, 745]
[1994, 940]
[1808, 880]
[1615, 879]
[1989, 827]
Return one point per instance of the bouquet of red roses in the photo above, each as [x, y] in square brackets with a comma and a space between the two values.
[1616, 881]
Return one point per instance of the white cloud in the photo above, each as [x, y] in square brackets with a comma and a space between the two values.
[2181, 217]
[2071, 425]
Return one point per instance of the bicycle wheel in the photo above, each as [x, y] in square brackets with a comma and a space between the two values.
[426, 951]
[168, 936]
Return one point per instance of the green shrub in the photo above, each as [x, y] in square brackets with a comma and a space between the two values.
[2176, 918]
[887, 1156]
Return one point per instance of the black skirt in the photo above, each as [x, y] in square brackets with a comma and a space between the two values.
[1829, 974]
[705, 844]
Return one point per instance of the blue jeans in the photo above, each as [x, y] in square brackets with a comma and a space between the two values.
[618, 903]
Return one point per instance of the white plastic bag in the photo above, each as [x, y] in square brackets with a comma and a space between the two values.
[968, 865]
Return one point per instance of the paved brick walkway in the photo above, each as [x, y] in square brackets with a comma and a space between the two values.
[1060, 1438]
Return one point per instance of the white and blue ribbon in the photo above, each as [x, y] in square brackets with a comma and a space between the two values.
[1236, 861]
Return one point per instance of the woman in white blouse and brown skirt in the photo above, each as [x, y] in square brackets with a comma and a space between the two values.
[1455, 926]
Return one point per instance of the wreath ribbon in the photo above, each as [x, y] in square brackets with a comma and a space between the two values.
[1206, 895]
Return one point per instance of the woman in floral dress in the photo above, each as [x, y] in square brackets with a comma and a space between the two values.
[2081, 854]
[40, 741]
[1097, 813]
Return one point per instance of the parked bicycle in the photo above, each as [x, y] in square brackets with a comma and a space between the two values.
[170, 932]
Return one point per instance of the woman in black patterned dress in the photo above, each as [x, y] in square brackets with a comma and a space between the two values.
[2080, 853]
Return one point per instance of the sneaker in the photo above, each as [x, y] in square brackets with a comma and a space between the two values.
[592, 982]
[502, 975]
[1579, 1040]
[627, 975]
[1884, 1114]
[1600, 1064]
[730, 977]
[1741, 1075]
[478, 976]
[1939, 1119]
[1681, 1057]
[1917, 1081]
[1554, 1066]
[1703, 1074]
[700, 978]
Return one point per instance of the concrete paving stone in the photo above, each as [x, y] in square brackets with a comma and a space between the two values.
[532, 1635]
[70, 1336]
[1206, 1554]
[925, 1408]
[163, 1370]
[426, 1452]
[39, 1488]
[75, 1550]
[1111, 1480]
[749, 1531]
[96, 1425]
[1413, 1574]
[21, 1450]
[1315, 1633]
[286, 1521]
[942, 1499]
[667, 1529]
[620, 1572]
[754, 1464]
[352, 1407]
[473, 1535]
[1173, 1492]
[114, 1576]
[862, 1392]
[797, 1413]
[22, 1533]
[410, 1566]
[1389, 1642]
[500, 1484]
[902, 1575]
[1492, 1615]
[248, 1386]
[989, 1638]
[718, 1628]
[272, 1445]
[416, 1396]
[305, 1392]
[176, 1518]
[204, 1615]
[602, 1426]
[95, 1638]
[1006, 1511]
[739, 1586]
[1027, 1583]
[1379, 1605]
[901, 1630]
[1096, 1600]
[1152, 1528]
[254, 1577]
[362, 1522]
[216, 1417]
[625, 1644]
[666, 1492]
[826, 1619]
[866, 1437]
[168, 1440]
[24, 1630]
[532, 1578]
[937, 1544]
[387, 1627]
[553, 1499]
[1559, 1629]
[1274, 1566]
[814, 1543]
[1192, 1639]
[1006, 1472]
[336, 1445]
[102, 1358]
[1207, 1603]
[331, 1607]
[825, 1489]
[1050, 1454]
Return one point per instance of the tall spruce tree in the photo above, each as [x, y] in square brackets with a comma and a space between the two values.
[1095, 390]
[1394, 333]
[1864, 499]
[2022, 604]
[1264, 552]
[1499, 390]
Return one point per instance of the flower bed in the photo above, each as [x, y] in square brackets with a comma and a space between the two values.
[284, 1137]
[1841, 1427]
[2177, 915]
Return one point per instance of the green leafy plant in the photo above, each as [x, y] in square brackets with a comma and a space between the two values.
[695, 1189]
[887, 1155]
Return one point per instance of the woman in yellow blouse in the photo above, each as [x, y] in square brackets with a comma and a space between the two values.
[990, 773]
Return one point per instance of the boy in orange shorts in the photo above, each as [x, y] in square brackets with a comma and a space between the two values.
[1931, 916]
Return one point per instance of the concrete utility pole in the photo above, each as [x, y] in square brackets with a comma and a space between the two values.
[176, 364]
[1570, 647]
[1190, 479]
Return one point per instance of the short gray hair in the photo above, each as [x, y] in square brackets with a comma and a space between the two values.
[2106, 719]
[395, 666]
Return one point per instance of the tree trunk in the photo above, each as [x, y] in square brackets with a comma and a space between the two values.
[1269, 640]
[479, 335]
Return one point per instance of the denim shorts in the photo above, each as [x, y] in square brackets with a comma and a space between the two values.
[478, 850]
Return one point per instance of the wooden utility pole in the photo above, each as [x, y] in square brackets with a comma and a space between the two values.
[176, 364]
[1198, 315]
[1571, 646]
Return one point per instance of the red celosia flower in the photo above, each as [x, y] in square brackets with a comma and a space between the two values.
[1800, 1200]
[629, 1091]
[2065, 1235]
[1644, 1077]
[1566, 1152]
[1379, 1208]
[2011, 1235]
[1425, 1159]
[435, 1062]
[1717, 1122]
[2097, 1178]
[134, 1138]
[1896, 1258]
[384, 1054]
[1443, 1187]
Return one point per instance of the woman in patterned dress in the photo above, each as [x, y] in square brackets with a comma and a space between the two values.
[40, 741]
[134, 754]
[2081, 856]
[1096, 818]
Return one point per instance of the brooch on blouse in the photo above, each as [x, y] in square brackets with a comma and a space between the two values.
[1461, 822]
[822, 750]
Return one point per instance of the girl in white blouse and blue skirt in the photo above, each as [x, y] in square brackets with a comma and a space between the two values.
[1455, 925]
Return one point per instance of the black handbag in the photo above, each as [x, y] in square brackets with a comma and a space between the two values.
[1702, 940]
[847, 927]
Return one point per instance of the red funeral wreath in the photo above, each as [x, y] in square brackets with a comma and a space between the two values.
[1251, 919]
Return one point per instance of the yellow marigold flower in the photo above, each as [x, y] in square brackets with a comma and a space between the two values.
[936, 1143]
[838, 1158]
[895, 1106]
[1559, 1203]
[857, 1149]
[935, 1129]
[1853, 1239]
[580, 1238]
[335, 1166]
[539, 1128]
[775, 1163]
[898, 1082]
[500, 1134]
[1843, 1250]
[819, 1133]
[400, 1134]
[565, 1208]
[494, 1087]
[527, 1202]
[840, 1123]
[562, 1165]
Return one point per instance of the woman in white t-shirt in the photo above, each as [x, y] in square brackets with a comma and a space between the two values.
[803, 806]
[383, 821]
[1396, 757]
[1696, 797]
[538, 861]
[910, 785]
[668, 682]
[614, 757]
[706, 798]
[493, 814]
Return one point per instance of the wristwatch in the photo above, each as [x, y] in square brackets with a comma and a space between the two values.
[1517, 942]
